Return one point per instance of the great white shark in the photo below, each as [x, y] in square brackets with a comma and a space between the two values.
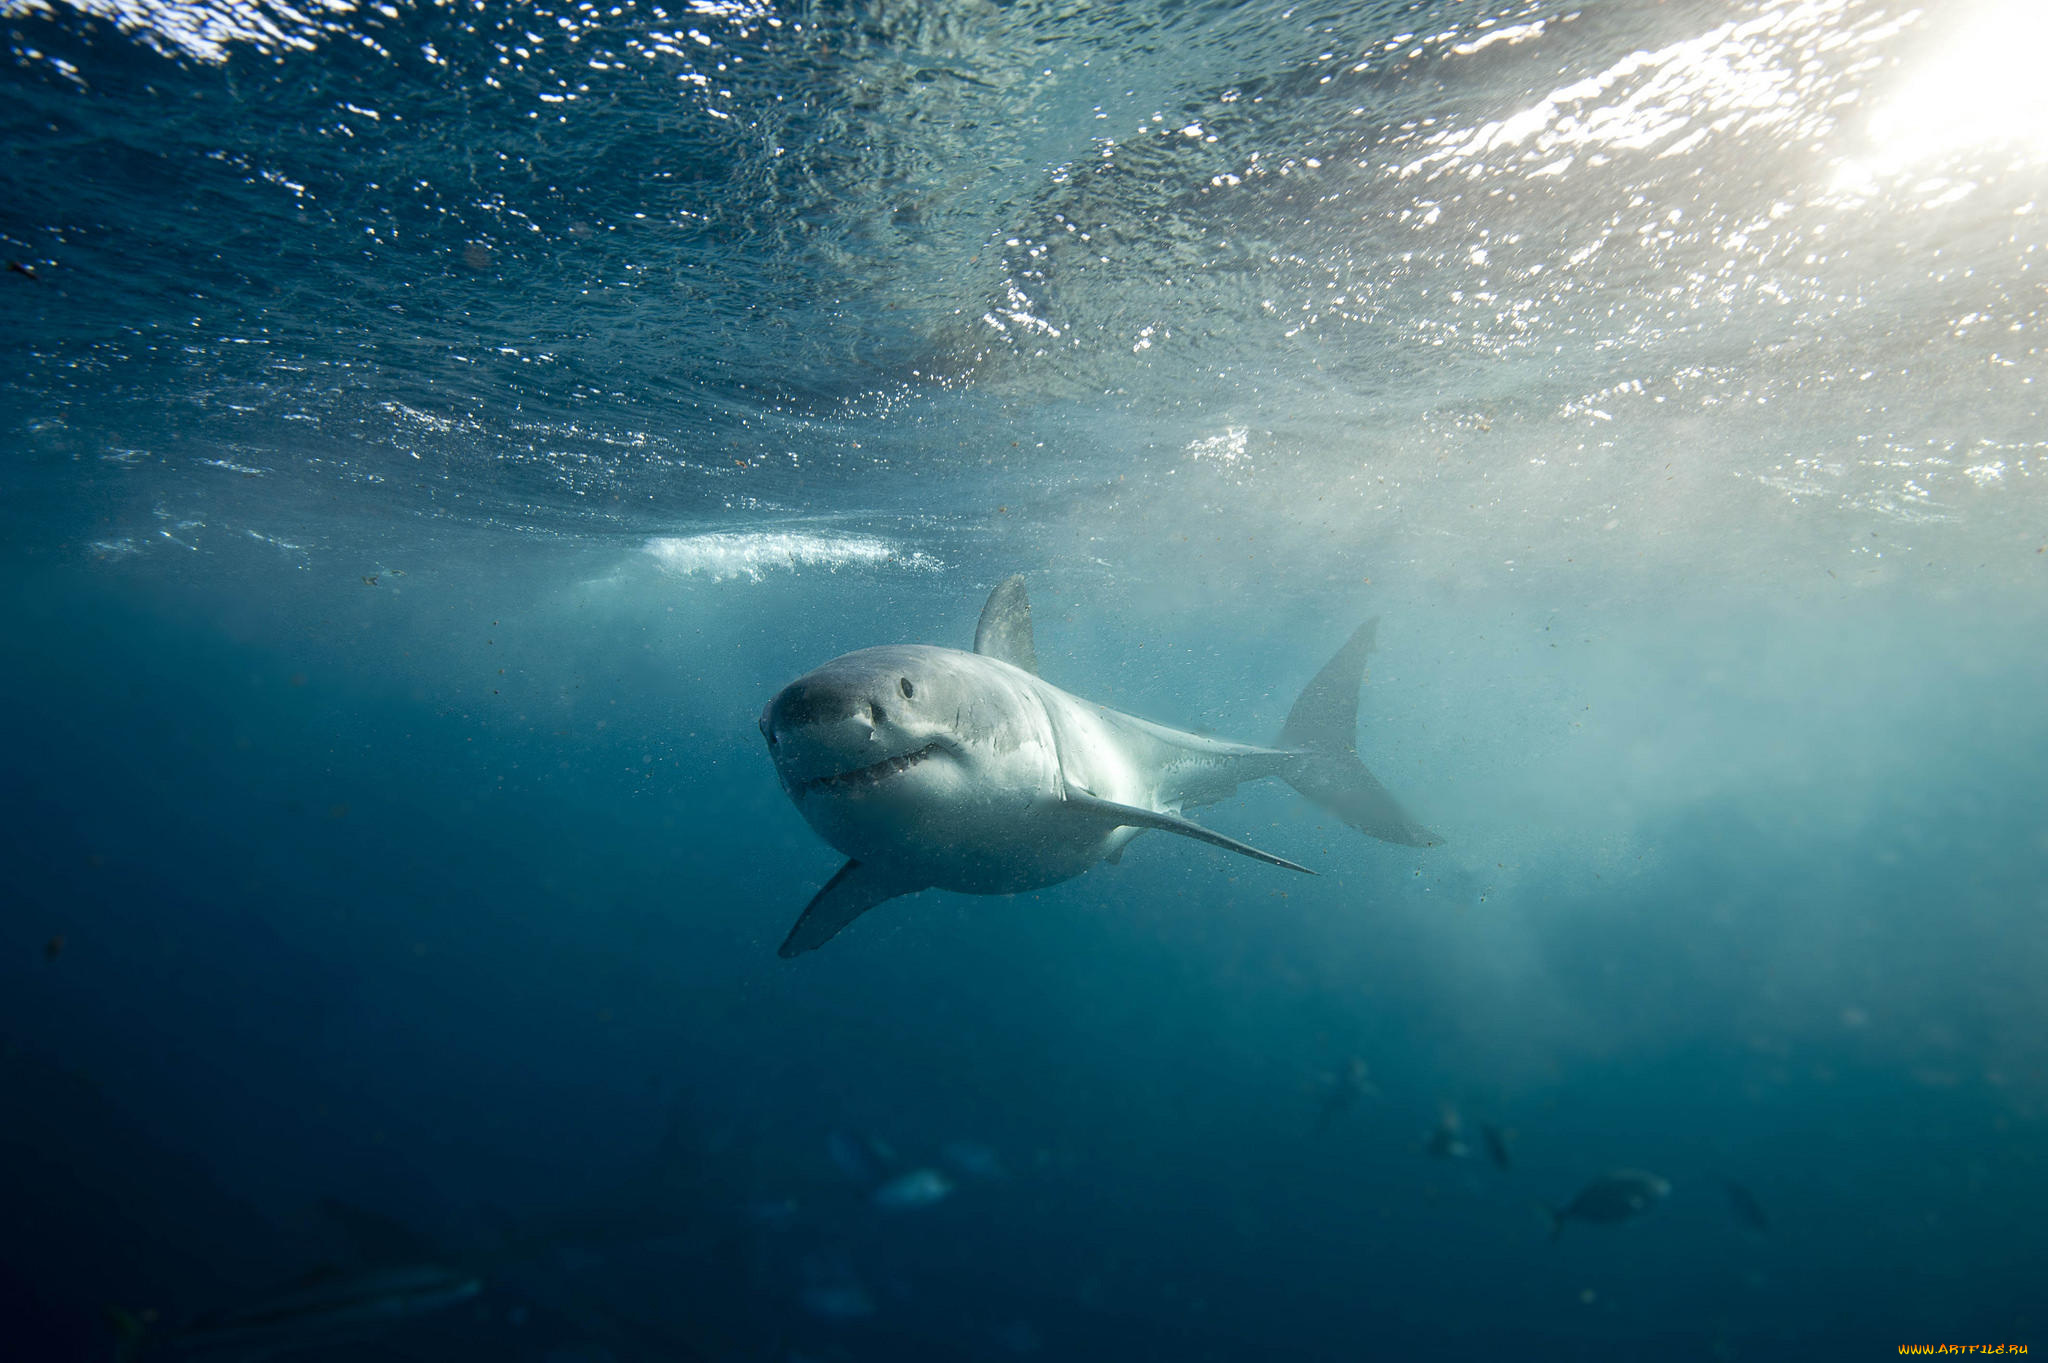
[931, 768]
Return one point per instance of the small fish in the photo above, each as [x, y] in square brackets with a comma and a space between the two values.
[1343, 1091]
[370, 580]
[53, 948]
[1497, 1144]
[1448, 1140]
[16, 267]
[1748, 1210]
[1622, 1195]
[918, 1188]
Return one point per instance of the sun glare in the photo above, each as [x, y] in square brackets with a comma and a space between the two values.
[1975, 87]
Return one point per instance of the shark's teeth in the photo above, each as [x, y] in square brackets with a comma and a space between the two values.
[868, 777]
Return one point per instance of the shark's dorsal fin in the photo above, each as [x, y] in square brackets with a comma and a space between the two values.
[856, 889]
[1005, 629]
[1130, 816]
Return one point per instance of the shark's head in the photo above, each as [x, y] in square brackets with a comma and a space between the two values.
[876, 745]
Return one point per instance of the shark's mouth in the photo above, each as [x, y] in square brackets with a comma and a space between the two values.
[867, 778]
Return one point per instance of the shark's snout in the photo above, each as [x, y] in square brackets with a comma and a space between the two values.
[863, 706]
[815, 704]
[836, 732]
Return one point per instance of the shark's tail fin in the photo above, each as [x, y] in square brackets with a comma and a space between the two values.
[1322, 727]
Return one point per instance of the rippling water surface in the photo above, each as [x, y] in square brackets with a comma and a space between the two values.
[433, 430]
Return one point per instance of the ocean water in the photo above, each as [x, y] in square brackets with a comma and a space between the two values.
[433, 431]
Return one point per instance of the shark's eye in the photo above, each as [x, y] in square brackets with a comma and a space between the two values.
[903, 685]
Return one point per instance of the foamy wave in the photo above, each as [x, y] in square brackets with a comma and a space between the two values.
[722, 557]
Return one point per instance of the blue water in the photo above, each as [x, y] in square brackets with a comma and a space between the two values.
[433, 431]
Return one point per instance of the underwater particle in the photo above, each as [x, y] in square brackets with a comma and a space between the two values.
[477, 256]
[1587, 1296]
[53, 948]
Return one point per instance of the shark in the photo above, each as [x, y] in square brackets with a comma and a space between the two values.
[939, 768]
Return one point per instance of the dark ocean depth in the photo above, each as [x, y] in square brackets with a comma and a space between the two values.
[433, 432]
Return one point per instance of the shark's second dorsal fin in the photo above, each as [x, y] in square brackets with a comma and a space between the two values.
[1005, 629]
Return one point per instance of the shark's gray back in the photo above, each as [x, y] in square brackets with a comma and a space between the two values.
[1135, 761]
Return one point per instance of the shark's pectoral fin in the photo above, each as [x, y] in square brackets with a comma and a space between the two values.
[856, 889]
[1130, 816]
[1004, 632]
